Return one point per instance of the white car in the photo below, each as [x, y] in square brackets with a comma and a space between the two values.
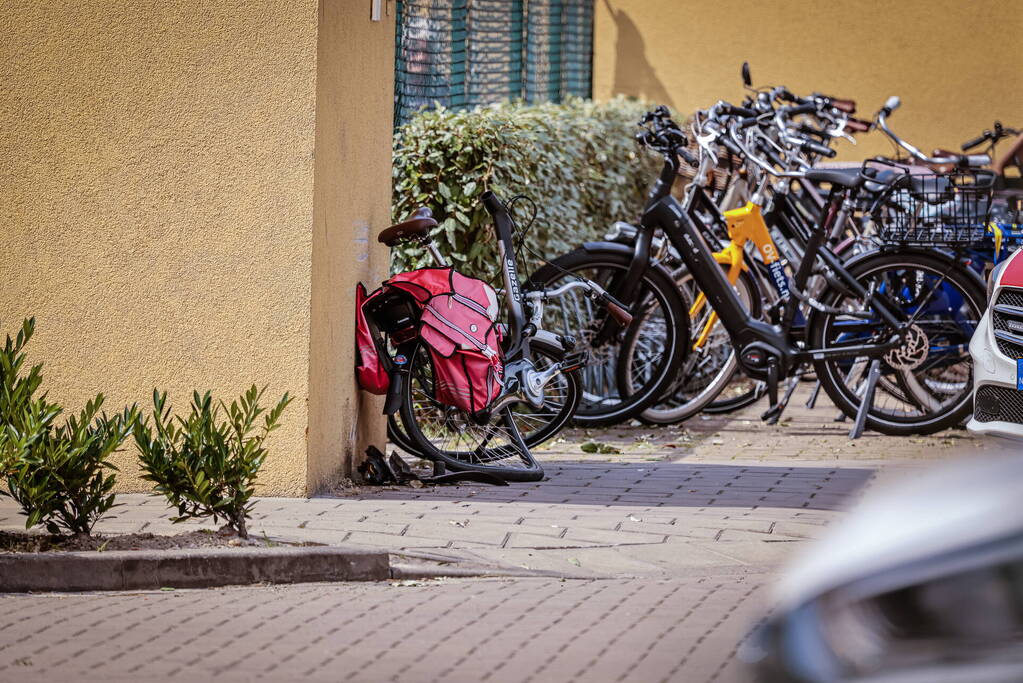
[997, 350]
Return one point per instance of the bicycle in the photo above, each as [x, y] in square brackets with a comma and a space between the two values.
[489, 439]
[871, 316]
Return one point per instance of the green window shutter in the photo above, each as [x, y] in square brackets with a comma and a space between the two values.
[462, 53]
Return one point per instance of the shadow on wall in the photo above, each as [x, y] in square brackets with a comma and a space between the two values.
[634, 75]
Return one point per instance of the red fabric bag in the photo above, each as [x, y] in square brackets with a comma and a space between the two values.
[457, 324]
[369, 370]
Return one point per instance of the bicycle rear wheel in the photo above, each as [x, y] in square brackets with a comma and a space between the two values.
[461, 441]
[660, 326]
[925, 385]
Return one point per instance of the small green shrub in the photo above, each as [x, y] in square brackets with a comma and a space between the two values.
[206, 466]
[24, 418]
[578, 161]
[63, 479]
[59, 475]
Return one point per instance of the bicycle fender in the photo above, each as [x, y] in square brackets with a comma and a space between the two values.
[940, 254]
[613, 247]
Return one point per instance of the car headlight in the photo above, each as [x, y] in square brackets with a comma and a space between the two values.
[993, 277]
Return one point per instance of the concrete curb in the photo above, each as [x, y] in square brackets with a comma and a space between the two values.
[409, 570]
[192, 568]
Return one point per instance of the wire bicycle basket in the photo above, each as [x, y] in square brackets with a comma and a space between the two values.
[925, 209]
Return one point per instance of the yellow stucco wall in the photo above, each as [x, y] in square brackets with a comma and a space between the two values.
[354, 103]
[955, 64]
[158, 189]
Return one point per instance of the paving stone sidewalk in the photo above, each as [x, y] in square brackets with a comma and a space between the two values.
[680, 534]
[722, 492]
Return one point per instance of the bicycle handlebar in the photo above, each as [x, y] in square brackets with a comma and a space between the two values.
[1000, 132]
[811, 147]
[976, 142]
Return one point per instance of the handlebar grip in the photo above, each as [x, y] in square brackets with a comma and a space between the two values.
[620, 315]
[812, 147]
[847, 106]
[975, 142]
[727, 143]
[748, 122]
[857, 125]
[786, 95]
[732, 110]
[688, 157]
[807, 108]
[975, 160]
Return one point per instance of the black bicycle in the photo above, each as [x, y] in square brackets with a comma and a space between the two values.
[540, 386]
[886, 331]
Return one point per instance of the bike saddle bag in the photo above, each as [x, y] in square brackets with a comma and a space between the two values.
[457, 325]
[370, 369]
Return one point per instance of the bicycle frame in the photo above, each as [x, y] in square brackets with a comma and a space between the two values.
[745, 224]
[765, 351]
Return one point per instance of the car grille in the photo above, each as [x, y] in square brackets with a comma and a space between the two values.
[998, 404]
[1007, 320]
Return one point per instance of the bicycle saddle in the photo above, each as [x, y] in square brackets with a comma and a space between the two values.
[418, 224]
[845, 177]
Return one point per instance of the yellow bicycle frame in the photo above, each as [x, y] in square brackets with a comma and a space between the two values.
[745, 224]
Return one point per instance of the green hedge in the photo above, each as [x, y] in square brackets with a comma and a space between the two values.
[578, 161]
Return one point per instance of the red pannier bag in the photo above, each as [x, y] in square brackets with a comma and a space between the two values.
[369, 369]
[457, 323]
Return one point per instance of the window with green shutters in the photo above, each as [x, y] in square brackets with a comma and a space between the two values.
[460, 53]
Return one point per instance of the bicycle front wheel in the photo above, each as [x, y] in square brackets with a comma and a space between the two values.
[660, 332]
[536, 425]
[926, 384]
[710, 366]
[461, 441]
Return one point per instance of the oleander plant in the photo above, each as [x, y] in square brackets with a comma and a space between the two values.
[60, 474]
[206, 461]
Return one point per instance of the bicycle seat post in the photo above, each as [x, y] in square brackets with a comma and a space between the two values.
[438, 258]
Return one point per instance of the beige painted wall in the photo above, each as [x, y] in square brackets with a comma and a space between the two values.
[941, 56]
[354, 104]
[158, 190]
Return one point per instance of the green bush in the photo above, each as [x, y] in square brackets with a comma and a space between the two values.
[63, 480]
[17, 399]
[205, 466]
[59, 475]
[578, 161]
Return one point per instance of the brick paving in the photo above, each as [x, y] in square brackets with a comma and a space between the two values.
[683, 629]
[671, 545]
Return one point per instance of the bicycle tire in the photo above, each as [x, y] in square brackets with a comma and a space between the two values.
[559, 408]
[463, 443]
[660, 307]
[691, 391]
[898, 383]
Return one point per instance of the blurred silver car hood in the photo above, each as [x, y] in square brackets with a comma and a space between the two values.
[943, 511]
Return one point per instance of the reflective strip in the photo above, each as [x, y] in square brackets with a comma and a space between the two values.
[483, 348]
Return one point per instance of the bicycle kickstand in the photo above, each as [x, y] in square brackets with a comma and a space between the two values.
[775, 408]
[811, 402]
[868, 398]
